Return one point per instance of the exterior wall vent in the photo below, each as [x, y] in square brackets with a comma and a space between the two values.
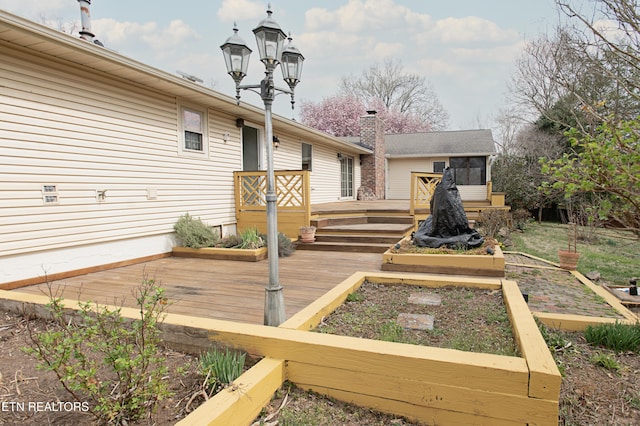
[50, 194]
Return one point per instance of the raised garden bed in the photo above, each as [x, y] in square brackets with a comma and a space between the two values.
[219, 253]
[467, 319]
[482, 264]
[423, 383]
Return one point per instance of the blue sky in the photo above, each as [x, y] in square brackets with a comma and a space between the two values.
[465, 48]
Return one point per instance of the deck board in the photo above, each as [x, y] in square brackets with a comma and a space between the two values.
[220, 289]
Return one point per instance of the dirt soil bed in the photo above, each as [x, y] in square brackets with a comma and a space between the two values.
[466, 319]
[29, 396]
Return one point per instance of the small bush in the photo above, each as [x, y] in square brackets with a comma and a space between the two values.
[113, 363]
[194, 233]
[230, 241]
[617, 336]
[285, 247]
[520, 218]
[251, 239]
[493, 221]
[220, 368]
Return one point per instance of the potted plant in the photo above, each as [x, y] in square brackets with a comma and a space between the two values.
[307, 234]
[569, 258]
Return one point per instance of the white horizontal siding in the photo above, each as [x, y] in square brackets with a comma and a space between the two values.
[58, 127]
[399, 176]
[473, 192]
[399, 179]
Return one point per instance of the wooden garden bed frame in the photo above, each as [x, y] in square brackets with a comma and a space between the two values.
[430, 384]
[455, 264]
[245, 255]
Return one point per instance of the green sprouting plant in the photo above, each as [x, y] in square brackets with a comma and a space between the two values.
[251, 239]
[605, 361]
[616, 336]
[194, 233]
[355, 297]
[115, 364]
[220, 368]
[391, 331]
[554, 340]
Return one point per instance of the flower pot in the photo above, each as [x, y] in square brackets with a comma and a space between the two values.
[568, 259]
[307, 234]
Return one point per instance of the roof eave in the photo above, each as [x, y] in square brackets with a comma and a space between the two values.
[36, 37]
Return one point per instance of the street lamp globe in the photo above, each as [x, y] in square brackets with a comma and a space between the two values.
[270, 39]
[291, 64]
[236, 56]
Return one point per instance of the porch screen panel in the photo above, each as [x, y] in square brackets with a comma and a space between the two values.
[469, 170]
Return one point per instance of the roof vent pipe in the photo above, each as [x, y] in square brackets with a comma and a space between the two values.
[85, 17]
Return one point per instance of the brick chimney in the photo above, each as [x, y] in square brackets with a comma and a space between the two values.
[372, 166]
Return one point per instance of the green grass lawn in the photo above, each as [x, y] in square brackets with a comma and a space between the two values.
[615, 254]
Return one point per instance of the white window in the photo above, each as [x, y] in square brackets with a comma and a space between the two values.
[193, 131]
[307, 154]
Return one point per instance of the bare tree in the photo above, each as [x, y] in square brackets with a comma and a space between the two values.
[587, 71]
[401, 92]
[57, 23]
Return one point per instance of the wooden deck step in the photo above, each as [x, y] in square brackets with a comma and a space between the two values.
[388, 239]
[324, 222]
[366, 228]
[344, 247]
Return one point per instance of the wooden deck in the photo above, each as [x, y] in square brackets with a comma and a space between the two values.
[220, 289]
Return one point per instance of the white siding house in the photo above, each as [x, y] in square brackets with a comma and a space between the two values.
[94, 165]
[467, 152]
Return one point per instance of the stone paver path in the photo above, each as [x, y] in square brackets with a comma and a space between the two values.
[555, 290]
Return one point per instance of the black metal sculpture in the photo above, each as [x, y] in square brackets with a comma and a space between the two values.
[447, 225]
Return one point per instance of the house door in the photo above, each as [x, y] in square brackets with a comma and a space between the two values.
[250, 149]
[346, 177]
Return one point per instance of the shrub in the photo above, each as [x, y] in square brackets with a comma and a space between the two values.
[100, 357]
[285, 247]
[520, 218]
[194, 233]
[493, 221]
[251, 239]
[616, 336]
[220, 368]
[230, 241]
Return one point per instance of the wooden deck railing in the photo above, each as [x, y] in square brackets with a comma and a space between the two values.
[422, 187]
[293, 200]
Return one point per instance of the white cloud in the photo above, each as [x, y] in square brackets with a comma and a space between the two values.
[363, 15]
[236, 10]
[384, 50]
[34, 9]
[115, 34]
[470, 29]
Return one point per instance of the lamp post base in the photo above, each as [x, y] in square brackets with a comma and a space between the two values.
[274, 306]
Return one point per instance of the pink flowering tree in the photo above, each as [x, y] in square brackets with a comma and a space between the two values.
[339, 115]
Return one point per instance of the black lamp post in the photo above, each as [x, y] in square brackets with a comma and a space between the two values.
[270, 39]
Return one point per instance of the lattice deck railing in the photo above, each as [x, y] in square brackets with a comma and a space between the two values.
[423, 186]
[293, 199]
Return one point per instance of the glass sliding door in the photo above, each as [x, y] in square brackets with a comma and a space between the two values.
[346, 177]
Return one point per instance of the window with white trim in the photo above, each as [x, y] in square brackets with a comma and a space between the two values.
[193, 131]
[307, 154]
